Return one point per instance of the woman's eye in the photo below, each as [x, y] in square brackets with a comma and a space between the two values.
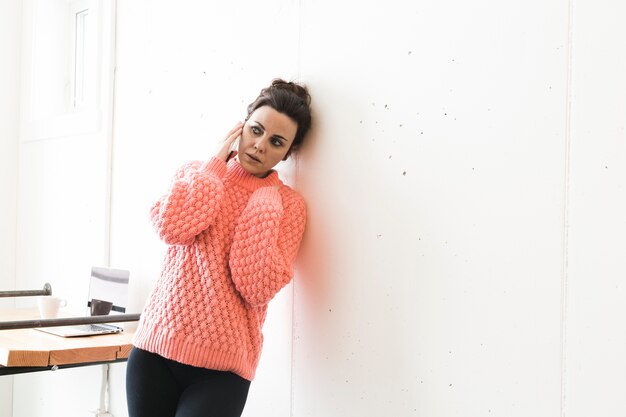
[277, 142]
[255, 130]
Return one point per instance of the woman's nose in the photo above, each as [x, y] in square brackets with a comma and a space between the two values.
[259, 144]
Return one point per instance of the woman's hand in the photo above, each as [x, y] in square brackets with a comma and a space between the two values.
[230, 138]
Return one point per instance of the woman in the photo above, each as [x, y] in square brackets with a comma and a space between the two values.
[233, 230]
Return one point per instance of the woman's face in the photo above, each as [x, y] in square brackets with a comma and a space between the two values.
[265, 140]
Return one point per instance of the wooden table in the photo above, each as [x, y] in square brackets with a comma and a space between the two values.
[30, 350]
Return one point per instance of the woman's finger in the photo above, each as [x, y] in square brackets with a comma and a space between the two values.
[233, 135]
[234, 130]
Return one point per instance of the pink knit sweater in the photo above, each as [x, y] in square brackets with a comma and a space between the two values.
[232, 241]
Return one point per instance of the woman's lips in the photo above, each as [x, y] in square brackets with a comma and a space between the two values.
[253, 158]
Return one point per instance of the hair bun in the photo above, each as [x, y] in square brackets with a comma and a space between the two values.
[298, 89]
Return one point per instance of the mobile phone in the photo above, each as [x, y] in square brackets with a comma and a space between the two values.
[233, 147]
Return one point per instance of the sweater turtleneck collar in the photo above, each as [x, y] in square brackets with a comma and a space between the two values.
[236, 173]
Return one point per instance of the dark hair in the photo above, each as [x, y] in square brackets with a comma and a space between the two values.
[291, 99]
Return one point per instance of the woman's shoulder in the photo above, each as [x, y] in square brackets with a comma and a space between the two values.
[185, 169]
[291, 197]
[213, 166]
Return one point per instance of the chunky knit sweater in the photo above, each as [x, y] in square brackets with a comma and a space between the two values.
[232, 238]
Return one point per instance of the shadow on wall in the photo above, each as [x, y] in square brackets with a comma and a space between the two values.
[330, 184]
[350, 280]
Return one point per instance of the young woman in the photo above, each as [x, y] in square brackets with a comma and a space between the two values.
[233, 230]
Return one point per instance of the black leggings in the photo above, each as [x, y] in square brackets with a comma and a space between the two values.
[159, 387]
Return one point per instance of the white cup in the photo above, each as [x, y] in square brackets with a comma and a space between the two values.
[49, 306]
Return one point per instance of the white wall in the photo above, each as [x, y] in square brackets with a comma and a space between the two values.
[596, 337]
[431, 274]
[10, 18]
[464, 180]
[10, 31]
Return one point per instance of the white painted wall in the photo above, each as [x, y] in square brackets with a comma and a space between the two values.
[464, 180]
[10, 18]
[10, 31]
[596, 333]
[432, 270]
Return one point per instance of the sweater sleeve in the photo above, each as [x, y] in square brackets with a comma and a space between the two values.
[192, 202]
[265, 244]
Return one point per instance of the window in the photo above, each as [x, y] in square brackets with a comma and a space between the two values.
[68, 72]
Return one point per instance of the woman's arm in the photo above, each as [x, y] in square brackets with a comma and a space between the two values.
[191, 204]
[265, 245]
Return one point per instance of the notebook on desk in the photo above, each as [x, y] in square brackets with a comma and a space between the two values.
[81, 330]
[105, 284]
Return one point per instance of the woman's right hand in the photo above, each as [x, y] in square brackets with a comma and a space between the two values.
[232, 136]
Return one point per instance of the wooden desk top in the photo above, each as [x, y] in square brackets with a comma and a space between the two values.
[30, 347]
